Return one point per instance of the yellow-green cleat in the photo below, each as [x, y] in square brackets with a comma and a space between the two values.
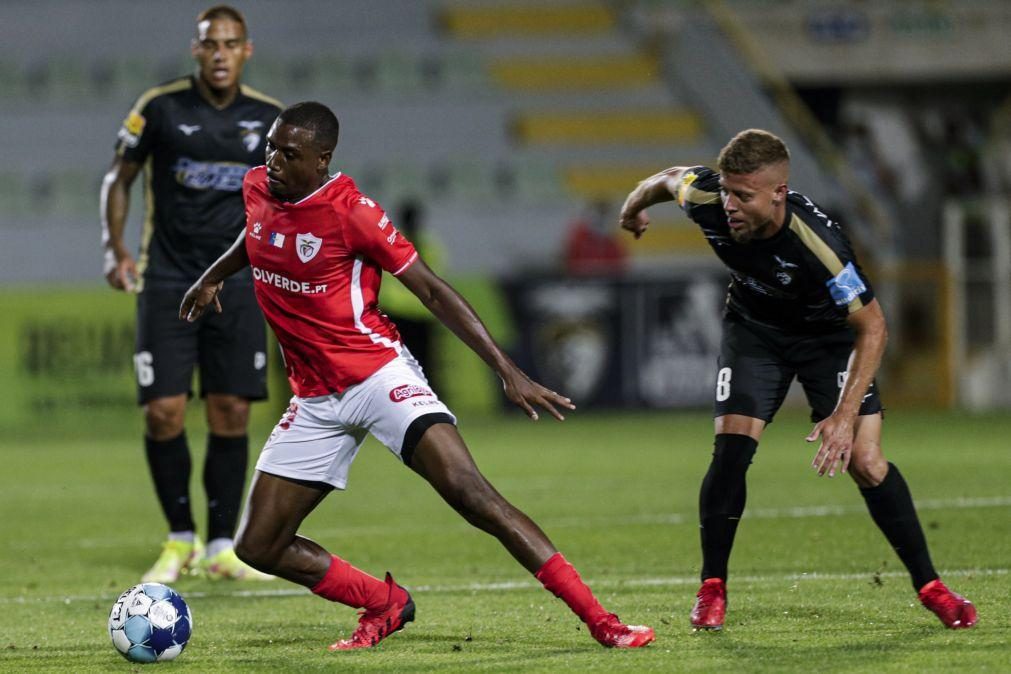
[176, 558]
[226, 565]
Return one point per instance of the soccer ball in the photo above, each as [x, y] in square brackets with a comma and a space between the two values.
[150, 623]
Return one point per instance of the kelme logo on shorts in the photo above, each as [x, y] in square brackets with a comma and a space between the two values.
[409, 391]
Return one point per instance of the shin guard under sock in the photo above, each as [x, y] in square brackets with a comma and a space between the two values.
[224, 479]
[170, 465]
[562, 580]
[721, 500]
[891, 508]
[353, 587]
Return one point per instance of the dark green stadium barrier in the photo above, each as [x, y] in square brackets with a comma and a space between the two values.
[66, 361]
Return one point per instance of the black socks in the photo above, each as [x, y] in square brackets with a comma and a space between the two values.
[721, 500]
[169, 461]
[723, 494]
[224, 480]
[891, 507]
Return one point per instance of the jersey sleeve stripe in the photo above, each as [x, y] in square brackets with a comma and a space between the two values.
[407, 264]
[148, 230]
[822, 251]
[260, 96]
[693, 195]
[180, 84]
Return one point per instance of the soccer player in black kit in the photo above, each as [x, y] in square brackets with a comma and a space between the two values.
[798, 305]
[195, 137]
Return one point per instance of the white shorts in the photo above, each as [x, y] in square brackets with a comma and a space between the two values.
[318, 438]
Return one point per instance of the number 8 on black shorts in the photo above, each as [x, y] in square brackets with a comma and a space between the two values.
[758, 363]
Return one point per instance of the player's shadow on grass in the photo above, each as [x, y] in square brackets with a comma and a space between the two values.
[841, 637]
[485, 649]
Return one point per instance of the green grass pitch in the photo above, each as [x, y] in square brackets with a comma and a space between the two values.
[813, 584]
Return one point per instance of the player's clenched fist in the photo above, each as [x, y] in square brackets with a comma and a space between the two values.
[636, 222]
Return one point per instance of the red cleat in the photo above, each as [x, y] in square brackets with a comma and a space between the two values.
[710, 605]
[374, 626]
[613, 633]
[955, 611]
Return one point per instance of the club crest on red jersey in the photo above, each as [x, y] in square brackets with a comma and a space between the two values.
[307, 245]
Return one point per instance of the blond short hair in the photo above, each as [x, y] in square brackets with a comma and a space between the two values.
[751, 150]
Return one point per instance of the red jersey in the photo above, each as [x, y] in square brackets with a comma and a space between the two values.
[317, 264]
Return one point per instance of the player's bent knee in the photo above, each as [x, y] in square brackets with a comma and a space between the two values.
[732, 454]
[256, 554]
[227, 415]
[723, 488]
[164, 419]
[868, 469]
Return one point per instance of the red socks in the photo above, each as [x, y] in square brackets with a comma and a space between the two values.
[346, 584]
[562, 580]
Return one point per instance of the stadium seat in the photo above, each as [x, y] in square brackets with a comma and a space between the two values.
[398, 74]
[11, 81]
[537, 182]
[334, 73]
[510, 20]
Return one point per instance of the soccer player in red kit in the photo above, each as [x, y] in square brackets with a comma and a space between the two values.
[318, 247]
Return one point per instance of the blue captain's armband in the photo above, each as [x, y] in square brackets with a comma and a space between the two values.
[846, 286]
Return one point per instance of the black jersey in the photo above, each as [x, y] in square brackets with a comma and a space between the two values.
[805, 278]
[194, 157]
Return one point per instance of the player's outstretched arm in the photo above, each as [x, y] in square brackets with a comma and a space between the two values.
[456, 314]
[836, 431]
[114, 199]
[205, 291]
[653, 190]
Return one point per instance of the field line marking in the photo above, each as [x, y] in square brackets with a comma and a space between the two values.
[666, 581]
[549, 522]
[797, 512]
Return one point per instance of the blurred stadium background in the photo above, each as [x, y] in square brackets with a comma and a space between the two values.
[510, 124]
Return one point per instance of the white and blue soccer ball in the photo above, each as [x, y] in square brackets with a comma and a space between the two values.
[150, 623]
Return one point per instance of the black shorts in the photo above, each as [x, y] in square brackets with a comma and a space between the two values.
[230, 348]
[757, 365]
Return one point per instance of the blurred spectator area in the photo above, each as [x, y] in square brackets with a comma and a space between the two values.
[503, 119]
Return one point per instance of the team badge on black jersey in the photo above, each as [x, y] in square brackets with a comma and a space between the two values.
[250, 134]
[785, 271]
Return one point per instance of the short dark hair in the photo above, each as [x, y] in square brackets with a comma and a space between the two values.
[223, 12]
[751, 150]
[314, 117]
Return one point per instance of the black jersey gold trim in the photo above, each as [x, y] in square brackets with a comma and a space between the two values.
[148, 231]
[822, 251]
[180, 84]
[693, 195]
[260, 96]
